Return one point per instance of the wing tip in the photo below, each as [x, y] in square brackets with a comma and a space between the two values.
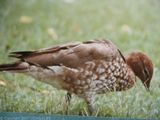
[20, 54]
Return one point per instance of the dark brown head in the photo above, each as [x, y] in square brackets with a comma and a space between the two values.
[142, 66]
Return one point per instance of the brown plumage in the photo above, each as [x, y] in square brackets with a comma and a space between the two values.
[85, 69]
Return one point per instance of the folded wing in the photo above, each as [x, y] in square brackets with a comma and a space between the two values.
[70, 55]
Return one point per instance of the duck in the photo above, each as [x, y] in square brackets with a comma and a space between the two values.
[84, 68]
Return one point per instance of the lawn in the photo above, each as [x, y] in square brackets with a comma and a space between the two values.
[34, 24]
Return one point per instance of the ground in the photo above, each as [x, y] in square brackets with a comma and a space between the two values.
[34, 24]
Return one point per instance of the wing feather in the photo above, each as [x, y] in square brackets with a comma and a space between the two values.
[70, 55]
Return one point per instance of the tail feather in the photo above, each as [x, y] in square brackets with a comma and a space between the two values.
[14, 66]
[20, 54]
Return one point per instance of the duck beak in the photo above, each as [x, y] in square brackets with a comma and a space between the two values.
[147, 85]
[147, 89]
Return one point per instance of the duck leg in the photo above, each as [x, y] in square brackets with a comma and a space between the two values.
[90, 104]
[68, 98]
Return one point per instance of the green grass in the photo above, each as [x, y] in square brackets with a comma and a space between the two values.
[130, 24]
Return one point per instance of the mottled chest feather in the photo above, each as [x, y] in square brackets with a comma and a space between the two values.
[100, 76]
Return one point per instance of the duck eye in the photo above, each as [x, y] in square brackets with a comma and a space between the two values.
[146, 72]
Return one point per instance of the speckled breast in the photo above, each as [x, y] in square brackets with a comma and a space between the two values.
[101, 76]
